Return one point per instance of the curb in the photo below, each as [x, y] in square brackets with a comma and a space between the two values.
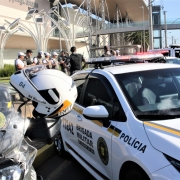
[44, 154]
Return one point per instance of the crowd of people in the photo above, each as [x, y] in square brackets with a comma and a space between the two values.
[110, 52]
[69, 64]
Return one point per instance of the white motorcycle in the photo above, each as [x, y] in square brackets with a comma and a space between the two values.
[16, 155]
[50, 103]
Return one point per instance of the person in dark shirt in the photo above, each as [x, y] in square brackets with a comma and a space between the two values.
[27, 58]
[64, 61]
[76, 61]
[106, 52]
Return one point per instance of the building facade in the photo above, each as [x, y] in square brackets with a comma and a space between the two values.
[22, 40]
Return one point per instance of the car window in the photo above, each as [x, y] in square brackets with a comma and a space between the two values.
[177, 53]
[97, 93]
[173, 61]
[79, 84]
[153, 94]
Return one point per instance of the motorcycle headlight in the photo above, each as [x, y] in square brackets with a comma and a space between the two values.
[173, 161]
[12, 172]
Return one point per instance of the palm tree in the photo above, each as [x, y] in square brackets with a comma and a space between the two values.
[137, 38]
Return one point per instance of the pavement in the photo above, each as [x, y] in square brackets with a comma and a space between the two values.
[43, 154]
[63, 168]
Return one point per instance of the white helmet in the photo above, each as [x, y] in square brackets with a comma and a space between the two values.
[52, 92]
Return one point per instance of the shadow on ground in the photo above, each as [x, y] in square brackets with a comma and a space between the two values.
[67, 168]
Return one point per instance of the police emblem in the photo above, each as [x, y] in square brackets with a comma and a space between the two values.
[103, 150]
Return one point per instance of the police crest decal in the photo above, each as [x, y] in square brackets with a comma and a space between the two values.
[103, 150]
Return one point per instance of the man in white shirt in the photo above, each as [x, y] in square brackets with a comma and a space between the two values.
[19, 64]
[46, 61]
[54, 62]
[117, 52]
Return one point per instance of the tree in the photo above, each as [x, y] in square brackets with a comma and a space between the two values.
[137, 38]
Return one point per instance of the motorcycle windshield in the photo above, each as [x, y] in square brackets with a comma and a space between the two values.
[12, 130]
[31, 72]
[11, 125]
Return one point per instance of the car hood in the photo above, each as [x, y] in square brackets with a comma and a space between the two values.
[165, 136]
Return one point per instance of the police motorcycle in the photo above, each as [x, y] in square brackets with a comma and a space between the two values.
[52, 94]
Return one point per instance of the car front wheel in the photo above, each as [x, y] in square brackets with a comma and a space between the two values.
[58, 142]
[136, 174]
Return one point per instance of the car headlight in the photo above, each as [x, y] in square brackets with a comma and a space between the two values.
[173, 161]
[12, 172]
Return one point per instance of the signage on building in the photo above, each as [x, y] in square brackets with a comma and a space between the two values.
[26, 2]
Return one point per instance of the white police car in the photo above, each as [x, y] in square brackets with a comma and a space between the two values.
[125, 123]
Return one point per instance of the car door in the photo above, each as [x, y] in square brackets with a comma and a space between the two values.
[95, 136]
[68, 126]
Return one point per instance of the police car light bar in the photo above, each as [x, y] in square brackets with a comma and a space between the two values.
[143, 58]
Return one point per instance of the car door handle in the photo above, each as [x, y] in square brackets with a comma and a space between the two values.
[79, 118]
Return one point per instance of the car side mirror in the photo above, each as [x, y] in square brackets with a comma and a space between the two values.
[97, 112]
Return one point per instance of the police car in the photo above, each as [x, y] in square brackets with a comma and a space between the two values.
[125, 123]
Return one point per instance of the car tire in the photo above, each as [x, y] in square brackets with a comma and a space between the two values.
[136, 174]
[58, 143]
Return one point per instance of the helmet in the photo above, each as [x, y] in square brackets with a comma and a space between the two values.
[52, 92]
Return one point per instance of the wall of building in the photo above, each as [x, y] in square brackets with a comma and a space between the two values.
[21, 41]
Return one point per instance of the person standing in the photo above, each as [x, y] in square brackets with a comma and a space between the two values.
[117, 52]
[19, 62]
[54, 62]
[38, 60]
[113, 53]
[46, 61]
[106, 52]
[28, 58]
[64, 61]
[76, 61]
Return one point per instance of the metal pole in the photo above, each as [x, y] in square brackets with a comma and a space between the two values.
[1, 53]
[151, 44]
[143, 30]
[89, 21]
[73, 28]
[141, 43]
[117, 23]
[172, 40]
[165, 32]
[60, 45]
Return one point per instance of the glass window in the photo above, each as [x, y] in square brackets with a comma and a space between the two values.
[156, 43]
[98, 94]
[156, 20]
[177, 53]
[79, 84]
[173, 61]
[156, 33]
[153, 94]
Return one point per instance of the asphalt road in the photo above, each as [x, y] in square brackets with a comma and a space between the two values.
[63, 168]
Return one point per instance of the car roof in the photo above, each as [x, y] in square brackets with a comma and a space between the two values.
[169, 57]
[140, 67]
[120, 69]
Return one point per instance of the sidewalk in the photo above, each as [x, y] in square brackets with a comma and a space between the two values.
[43, 154]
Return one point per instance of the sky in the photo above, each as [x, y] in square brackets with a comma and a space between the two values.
[173, 12]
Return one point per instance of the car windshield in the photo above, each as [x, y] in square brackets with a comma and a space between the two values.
[153, 94]
[173, 61]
